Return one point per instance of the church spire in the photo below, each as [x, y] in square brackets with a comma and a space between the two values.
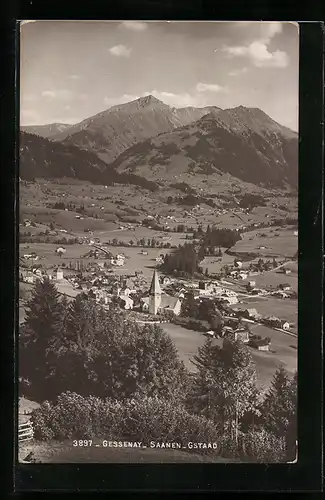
[155, 285]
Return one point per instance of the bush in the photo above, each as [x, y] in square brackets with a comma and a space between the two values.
[73, 416]
[137, 419]
[264, 446]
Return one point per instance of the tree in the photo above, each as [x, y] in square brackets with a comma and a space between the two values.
[102, 353]
[279, 409]
[184, 260]
[190, 307]
[224, 386]
[274, 263]
[131, 242]
[41, 333]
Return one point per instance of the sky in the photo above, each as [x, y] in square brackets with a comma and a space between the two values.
[71, 70]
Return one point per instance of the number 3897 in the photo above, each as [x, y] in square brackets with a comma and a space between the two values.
[82, 442]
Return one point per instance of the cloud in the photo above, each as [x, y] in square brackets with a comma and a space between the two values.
[181, 100]
[134, 25]
[120, 51]
[74, 77]
[210, 87]
[48, 93]
[257, 51]
[112, 101]
[64, 95]
[237, 72]
[259, 55]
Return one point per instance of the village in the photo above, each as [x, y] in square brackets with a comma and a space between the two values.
[239, 291]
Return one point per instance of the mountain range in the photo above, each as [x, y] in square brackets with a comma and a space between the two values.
[152, 140]
[47, 131]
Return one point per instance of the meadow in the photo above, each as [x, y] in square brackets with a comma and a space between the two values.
[188, 341]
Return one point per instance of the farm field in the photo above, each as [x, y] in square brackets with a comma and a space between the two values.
[274, 279]
[188, 341]
[285, 244]
[286, 309]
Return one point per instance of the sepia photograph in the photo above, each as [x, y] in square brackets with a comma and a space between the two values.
[158, 242]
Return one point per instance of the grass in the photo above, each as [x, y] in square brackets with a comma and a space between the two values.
[286, 309]
[283, 245]
[188, 341]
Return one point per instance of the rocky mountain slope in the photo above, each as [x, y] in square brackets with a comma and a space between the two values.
[243, 142]
[113, 131]
[47, 131]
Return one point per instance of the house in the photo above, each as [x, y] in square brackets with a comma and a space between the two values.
[230, 299]
[286, 325]
[128, 302]
[286, 271]
[118, 260]
[241, 334]
[144, 252]
[252, 314]
[265, 347]
[165, 280]
[238, 264]
[59, 274]
[273, 321]
[285, 287]
[242, 275]
[61, 250]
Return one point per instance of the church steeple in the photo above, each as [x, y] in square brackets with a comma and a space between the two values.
[154, 294]
[155, 285]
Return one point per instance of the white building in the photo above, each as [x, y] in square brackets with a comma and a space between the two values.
[59, 274]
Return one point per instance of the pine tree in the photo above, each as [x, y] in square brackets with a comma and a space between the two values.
[226, 378]
[279, 407]
[40, 333]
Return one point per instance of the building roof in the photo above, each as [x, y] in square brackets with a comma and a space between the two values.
[168, 302]
[155, 285]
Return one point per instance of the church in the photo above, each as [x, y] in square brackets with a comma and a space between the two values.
[159, 302]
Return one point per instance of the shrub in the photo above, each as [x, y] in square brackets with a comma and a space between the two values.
[264, 446]
[73, 416]
[136, 419]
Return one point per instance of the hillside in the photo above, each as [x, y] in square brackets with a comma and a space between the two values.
[40, 157]
[111, 132]
[47, 131]
[242, 142]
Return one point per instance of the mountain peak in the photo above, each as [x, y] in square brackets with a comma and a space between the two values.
[149, 99]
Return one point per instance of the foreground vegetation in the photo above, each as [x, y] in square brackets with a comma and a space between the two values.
[96, 373]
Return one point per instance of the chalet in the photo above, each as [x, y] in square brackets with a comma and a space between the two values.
[128, 302]
[286, 325]
[285, 287]
[263, 347]
[165, 280]
[118, 260]
[238, 264]
[60, 250]
[252, 314]
[286, 271]
[59, 274]
[241, 334]
[273, 321]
